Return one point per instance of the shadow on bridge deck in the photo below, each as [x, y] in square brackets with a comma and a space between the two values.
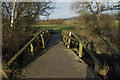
[57, 62]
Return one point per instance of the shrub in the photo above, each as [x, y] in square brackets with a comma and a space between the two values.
[105, 38]
[12, 42]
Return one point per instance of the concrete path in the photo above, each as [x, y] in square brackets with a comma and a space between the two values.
[57, 62]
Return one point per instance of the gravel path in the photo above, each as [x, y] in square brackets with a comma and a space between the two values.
[57, 62]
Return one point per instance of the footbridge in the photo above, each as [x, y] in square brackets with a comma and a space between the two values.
[58, 56]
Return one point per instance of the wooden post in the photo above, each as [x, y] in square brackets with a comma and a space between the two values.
[31, 48]
[43, 33]
[68, 46]
[80, 49]
[66, 38]
[97, 67]
[48, 33]
[43, 43]
[63, 36]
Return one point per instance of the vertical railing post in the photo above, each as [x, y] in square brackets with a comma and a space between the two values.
[48, 33]
[31, 49]
[43, 43]
[39, 40]
[66, 39]
[64, 36]
[69, 39]
[80, 49]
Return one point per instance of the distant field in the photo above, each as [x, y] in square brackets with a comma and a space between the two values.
[56, 28]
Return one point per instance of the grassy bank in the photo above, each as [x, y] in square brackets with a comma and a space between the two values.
[56, 28]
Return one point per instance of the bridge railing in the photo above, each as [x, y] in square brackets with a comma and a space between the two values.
[69, 37]
[43, 37]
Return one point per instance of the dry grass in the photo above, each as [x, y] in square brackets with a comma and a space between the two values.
[12, 42]
[108, 30]
[107, 42]
[104, 70]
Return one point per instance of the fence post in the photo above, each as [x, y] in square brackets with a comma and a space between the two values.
[31, 48]
[64, 36]
[69, 39]
[39, 40]
[80, 49]
[48, 33]
[43, 43]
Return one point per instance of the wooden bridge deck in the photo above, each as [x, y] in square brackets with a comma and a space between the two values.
[57, 62]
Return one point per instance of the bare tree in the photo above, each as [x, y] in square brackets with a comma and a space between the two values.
[13, 13]
[94, 8]
[25, 13]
